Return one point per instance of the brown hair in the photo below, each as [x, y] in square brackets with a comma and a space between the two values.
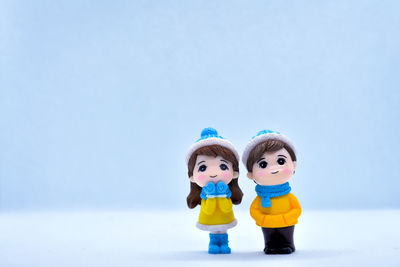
[193, 199]
[271, 145]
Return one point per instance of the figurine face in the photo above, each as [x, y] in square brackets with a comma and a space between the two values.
[212, 169]
[273, 168]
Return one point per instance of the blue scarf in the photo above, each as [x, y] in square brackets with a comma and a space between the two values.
[268, 191]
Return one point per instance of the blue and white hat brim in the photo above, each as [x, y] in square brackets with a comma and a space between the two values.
[209, 142]
[262, 138]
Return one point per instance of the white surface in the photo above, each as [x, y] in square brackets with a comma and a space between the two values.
[157, 238]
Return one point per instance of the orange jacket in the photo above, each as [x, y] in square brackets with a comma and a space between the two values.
[284, 211]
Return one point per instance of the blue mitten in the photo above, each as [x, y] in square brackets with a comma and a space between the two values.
[209, 189]
[223, 189]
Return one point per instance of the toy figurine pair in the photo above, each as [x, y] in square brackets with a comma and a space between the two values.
[213, 169]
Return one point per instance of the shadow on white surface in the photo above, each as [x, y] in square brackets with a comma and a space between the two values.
[169, 238]
[252, 255]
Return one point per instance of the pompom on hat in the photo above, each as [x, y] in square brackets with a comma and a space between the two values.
[209, 137]
[263, 136]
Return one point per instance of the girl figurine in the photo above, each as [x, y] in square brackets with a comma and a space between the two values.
[213, 169]
[270, 159]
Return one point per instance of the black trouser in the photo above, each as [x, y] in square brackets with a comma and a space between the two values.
[277, 238]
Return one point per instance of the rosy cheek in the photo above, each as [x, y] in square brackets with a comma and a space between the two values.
[287, 171]
[226, 175]
[201, 177]
[260, 173]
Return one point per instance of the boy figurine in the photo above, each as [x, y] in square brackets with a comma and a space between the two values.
[270, 159]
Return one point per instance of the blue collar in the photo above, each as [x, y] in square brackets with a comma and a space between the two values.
[268, 191]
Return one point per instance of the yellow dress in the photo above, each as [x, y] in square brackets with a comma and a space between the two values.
[216, 214]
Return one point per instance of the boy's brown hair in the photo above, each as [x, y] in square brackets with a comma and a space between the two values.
[271, 145]
[194, 198]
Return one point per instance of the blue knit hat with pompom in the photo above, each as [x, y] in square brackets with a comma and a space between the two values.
[209, 136]
[262, 136]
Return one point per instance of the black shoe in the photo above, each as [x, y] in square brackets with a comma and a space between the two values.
[274, 251]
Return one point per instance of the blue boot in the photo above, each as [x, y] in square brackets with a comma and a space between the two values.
[213, 247]
[223, 244]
